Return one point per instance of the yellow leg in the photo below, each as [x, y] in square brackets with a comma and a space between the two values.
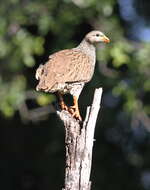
[74, 110]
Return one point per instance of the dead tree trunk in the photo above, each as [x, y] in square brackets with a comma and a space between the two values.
[79, 139]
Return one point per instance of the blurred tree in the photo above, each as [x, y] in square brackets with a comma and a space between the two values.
[31, 30]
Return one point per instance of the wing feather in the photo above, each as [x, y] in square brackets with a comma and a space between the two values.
[66, 66]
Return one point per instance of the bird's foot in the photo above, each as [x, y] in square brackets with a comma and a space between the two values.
[72, 109]
[64, 106]
[75, 112]
[77, 115]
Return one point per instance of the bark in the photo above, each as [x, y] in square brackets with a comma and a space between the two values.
[79, 137]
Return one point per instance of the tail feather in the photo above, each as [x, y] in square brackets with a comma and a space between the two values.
[41, 86]
[45, 81]
[39, 72]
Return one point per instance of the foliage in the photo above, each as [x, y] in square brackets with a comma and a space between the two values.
[31, 30]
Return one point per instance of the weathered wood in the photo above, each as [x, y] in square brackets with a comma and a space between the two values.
[79, 144]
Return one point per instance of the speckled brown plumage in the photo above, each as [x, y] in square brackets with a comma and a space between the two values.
[68, 70]
[64, 67]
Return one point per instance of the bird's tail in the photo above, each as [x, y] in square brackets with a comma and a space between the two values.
[44, 84]
[38, 76]
[39, 72]
[41, 86]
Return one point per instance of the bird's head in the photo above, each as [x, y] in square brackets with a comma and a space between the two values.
[96, 37]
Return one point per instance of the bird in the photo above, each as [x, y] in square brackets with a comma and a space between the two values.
[67, 71]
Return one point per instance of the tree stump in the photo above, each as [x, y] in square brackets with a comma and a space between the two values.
[79, 137]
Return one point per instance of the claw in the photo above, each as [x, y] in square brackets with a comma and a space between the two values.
[72, 109]
[77, 115]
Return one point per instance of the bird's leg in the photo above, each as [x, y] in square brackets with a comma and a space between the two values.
[74, 110]
[61, 102]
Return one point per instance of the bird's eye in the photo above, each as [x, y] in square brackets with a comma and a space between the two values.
[97, 35]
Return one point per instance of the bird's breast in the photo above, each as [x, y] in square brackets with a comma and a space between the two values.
[90, 68]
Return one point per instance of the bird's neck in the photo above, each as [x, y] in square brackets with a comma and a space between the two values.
[87, 48]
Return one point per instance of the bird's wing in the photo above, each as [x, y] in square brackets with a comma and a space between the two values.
[66, 66]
